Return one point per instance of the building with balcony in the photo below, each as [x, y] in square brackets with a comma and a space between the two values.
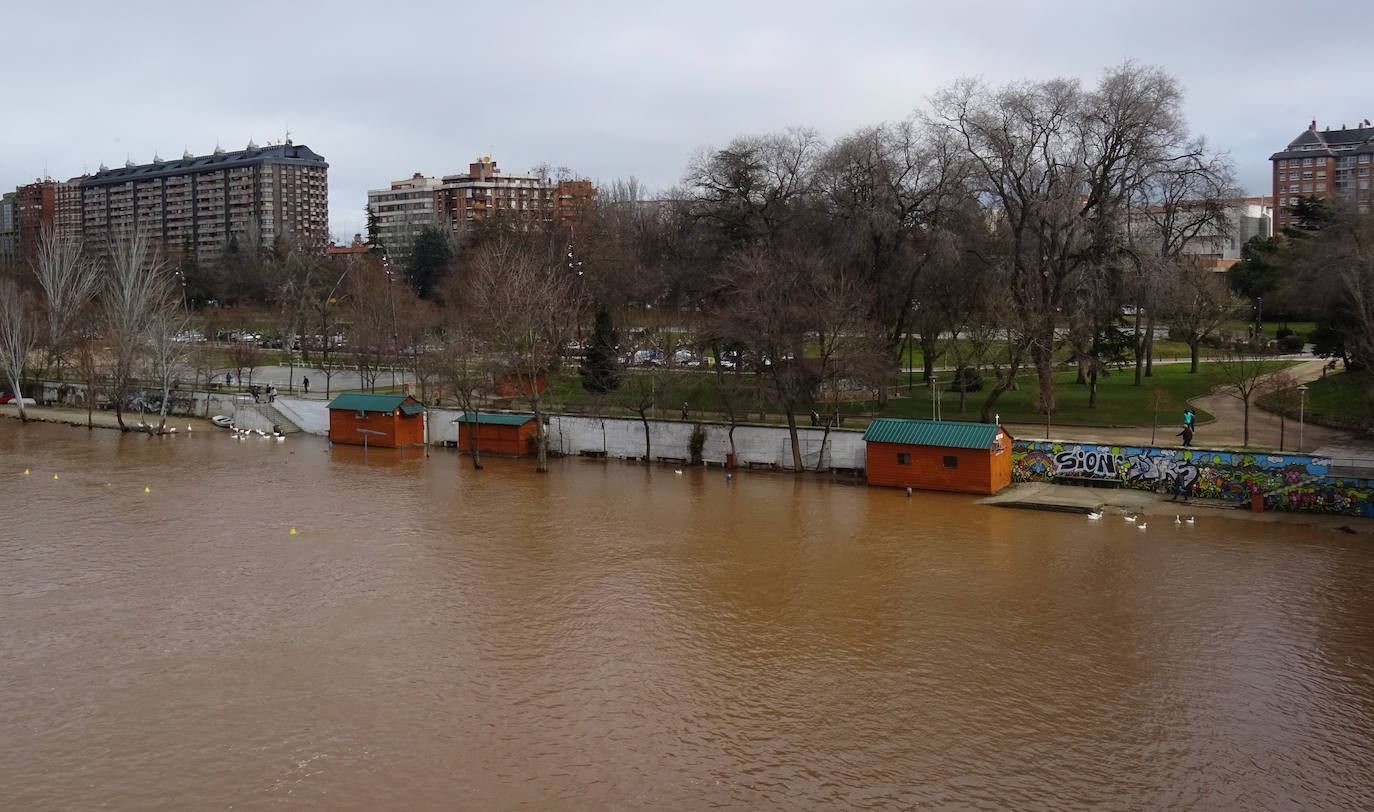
[202, 203]
[1322, 163]
[9, 228]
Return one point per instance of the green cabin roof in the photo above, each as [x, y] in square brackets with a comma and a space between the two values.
[362, 402]
[942, 433]
[494, 419]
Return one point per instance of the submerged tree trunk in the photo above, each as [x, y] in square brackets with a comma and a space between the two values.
[796, 441]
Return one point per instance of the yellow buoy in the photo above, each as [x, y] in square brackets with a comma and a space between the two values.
[54, 476]
[146, 489]
[26, 472]
[293, 532]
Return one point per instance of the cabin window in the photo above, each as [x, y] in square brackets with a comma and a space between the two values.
[903, 459]
[361, 415]
[951, 462]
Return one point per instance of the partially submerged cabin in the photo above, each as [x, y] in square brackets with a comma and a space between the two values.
[938, 455]
[498, 433]
[384, 420]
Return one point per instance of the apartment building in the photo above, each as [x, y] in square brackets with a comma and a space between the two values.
[485, 190]
[203, 202]
[404, 210]
[9, 228]
[1320, 163]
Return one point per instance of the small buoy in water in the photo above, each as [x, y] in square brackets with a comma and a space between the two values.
[54, 476]
[728, 477]
[908, 493]
[107, 484]
[146, 489]
[293, 532]
[26, 472]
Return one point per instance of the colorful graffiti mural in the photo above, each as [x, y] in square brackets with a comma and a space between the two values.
[1288, 482]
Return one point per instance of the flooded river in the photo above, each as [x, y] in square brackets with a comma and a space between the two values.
[610, 636]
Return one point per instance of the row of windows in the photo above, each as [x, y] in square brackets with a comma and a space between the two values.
[949, 462]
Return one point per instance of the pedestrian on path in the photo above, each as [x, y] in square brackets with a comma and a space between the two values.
[306, 383]
[1186, 434]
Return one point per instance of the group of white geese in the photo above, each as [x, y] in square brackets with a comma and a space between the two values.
[1140, 523]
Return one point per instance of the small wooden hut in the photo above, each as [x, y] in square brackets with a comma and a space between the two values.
[395, 419]
[938, 455]
[498, 433]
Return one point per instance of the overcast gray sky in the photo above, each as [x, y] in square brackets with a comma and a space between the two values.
[386, 88]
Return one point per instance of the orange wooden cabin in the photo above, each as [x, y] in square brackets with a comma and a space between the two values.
[399, 419]
[938, 455]
[510, 435]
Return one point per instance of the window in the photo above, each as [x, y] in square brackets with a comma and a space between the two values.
[1307, 187]
[1364, 170]
[1364, 159]
[1321, 174]
[1307, 176]
[1321, 187]
[1293, 188]
[951, 462]
[361, 415]
[903, 459]
[1306, 161]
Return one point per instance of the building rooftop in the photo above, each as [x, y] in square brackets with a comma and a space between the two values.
[363, 402]
[1354, 139]
[220, 159]
[942, 433]
[494, 418]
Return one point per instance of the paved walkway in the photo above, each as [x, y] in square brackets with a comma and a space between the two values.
[1227, 428]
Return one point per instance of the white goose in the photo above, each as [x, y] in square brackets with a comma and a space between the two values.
[1093, 514]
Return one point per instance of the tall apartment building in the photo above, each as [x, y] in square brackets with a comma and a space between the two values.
[256, 193]
[404, 210]
[1320, 163]
[485, 190]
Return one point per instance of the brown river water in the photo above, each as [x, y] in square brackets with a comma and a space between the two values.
[608, 636]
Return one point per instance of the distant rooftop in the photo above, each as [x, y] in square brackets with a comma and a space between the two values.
[219, 159]
[1356, 139]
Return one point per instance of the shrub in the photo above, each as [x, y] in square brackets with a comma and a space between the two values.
[966, 379]
[1292, 343]
[1282, 333]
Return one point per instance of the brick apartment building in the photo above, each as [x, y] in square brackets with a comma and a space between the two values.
[1320, 163]
[454, 200]
[256, 193]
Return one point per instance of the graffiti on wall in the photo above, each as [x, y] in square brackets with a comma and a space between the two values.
[1288, 482]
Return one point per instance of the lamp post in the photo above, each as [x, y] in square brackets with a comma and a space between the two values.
[1259, 316]
[1302, 407]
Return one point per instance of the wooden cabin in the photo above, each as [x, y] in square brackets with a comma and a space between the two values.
[938, 455]
[498, 433]
[398, 419]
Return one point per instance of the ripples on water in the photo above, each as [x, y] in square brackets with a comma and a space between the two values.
[614, 636]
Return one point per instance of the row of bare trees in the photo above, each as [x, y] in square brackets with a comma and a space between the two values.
[109, 321]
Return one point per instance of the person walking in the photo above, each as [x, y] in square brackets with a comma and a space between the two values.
[684, 410]
[228, 380]
[1186, 434]
[306, 383]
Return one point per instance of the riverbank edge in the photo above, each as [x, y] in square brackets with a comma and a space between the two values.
[1023, 495]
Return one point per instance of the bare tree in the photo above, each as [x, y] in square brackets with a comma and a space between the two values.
[1057, 165]
[138, 287]
[18, 336]
[1243, 365]
[465, 369]
[69, 281]
[1196, 303]
[524, 302]
[165, 354]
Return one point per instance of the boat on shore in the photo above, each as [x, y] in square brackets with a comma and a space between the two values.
[224, 421]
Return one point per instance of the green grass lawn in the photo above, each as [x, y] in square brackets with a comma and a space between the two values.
[1119, 401]
[1340, 400]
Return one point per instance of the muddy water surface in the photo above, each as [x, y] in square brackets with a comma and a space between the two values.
[607, 636]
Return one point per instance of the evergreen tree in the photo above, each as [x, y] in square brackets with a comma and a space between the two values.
[598, 371]
[374, 230]
[429, 262]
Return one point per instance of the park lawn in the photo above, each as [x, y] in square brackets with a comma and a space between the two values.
[1340, 400]
[1119, 401]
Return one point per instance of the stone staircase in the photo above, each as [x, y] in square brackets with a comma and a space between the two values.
[275, 417]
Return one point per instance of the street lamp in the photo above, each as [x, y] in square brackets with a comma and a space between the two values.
[1302, 407]
[1259, 316]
